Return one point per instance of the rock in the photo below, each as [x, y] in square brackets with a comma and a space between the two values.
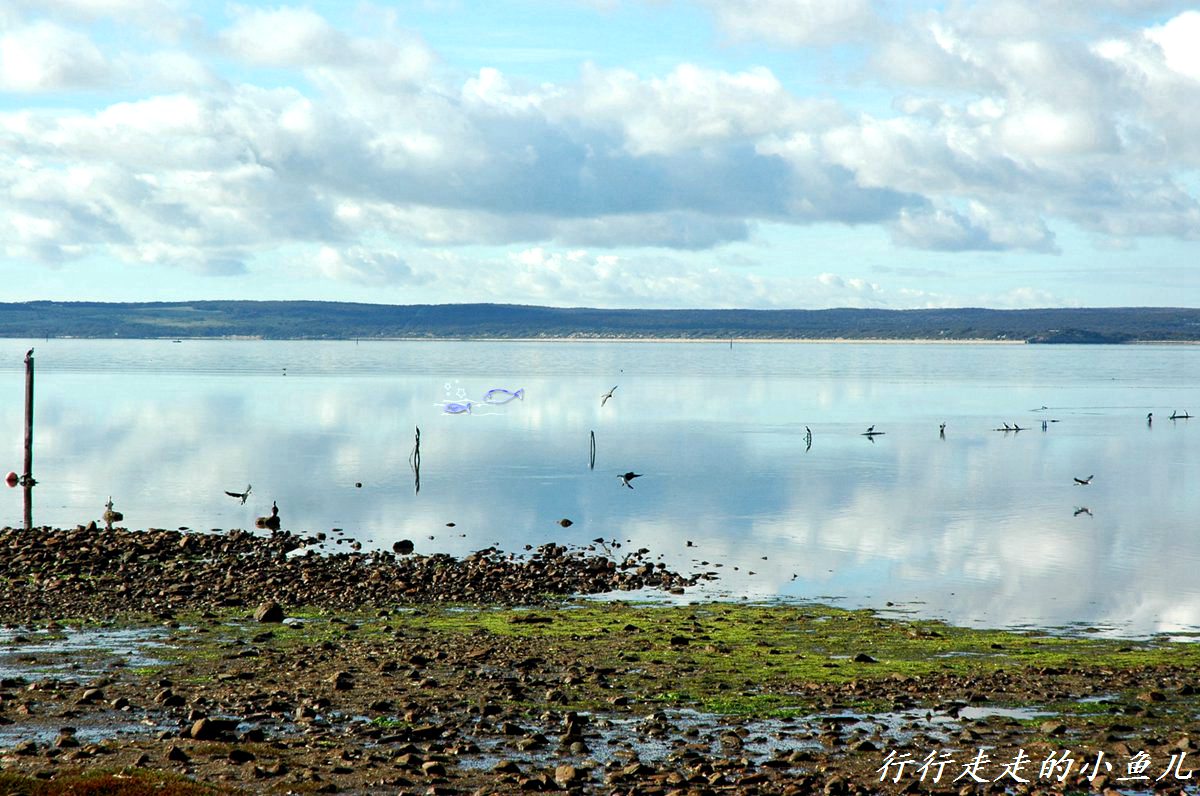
[269, 611]
[343, 681]
[566, 775]
[91, 695]
[212, 729]
[403, 547]
[237, 755]
[863, 657]
[564, 522]
[174, 753]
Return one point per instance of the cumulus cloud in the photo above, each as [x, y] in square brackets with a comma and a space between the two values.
[976, 228]
[580, 277]
[1177, 39]
[364, 266]
[42, 57]
[1002, 127]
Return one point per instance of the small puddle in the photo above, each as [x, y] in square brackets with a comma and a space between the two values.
[93, 728]
[74, 654]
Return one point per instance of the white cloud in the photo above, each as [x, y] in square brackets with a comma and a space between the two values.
[578, 277]
[364, 266]
[976, 228]
[43, 57]
[689, 108]
[1002, 126]
[1178, 39]
[301, 38]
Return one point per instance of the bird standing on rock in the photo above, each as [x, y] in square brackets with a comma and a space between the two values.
[109, 515]
[272, 522]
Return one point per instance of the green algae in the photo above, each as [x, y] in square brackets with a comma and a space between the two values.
[752, 660]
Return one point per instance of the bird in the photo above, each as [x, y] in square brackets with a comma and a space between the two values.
[627, 477]
[109, 515]
[1084, 481]
[271, 522]
[242, 495]
[871, 430]
[604, 398]
[942, 430]
[29, 355]
[1083, 510]
[1006, 428]
[1149, 418]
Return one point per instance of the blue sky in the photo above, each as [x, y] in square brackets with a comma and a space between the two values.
[611, 153]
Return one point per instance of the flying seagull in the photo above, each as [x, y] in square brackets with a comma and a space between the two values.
[604, 398]
[240, 495]
[627, 477]
[1084, 481]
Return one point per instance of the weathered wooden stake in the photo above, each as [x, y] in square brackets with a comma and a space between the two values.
[27, 481]
[27, 477]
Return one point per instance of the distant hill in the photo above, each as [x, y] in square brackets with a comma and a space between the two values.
[307, 320]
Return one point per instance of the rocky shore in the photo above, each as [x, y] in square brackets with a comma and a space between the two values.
[50, 573]
[245, 663]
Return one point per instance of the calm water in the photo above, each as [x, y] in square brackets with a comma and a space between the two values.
[981, 527]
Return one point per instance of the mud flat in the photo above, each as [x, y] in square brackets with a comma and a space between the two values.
[198, 663]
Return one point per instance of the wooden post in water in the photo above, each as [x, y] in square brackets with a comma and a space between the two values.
[27, 476]
[592, 459]
[27, 481]
[28, 502]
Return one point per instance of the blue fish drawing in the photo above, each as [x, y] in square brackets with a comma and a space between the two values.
[502, 396]
[456, 409]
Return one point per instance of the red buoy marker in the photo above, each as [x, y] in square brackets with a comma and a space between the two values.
[11, 479]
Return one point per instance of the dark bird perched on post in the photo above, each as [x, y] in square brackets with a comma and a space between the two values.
[1084, 481]
[604, 398]
[627, 477]
[272, 522]
[29, 355]
[241, 495]
[1149, 418]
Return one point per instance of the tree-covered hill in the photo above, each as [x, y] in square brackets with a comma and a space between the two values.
[336, 320]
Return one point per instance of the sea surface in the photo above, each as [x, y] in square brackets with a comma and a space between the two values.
[979, 527]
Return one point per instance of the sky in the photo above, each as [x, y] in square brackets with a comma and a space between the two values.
[603, 153]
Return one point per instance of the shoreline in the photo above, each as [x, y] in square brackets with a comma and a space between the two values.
[601, 339]
[618, 339]
[318, 674]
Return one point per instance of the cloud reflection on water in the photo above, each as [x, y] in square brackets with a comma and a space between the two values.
[979, 527]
